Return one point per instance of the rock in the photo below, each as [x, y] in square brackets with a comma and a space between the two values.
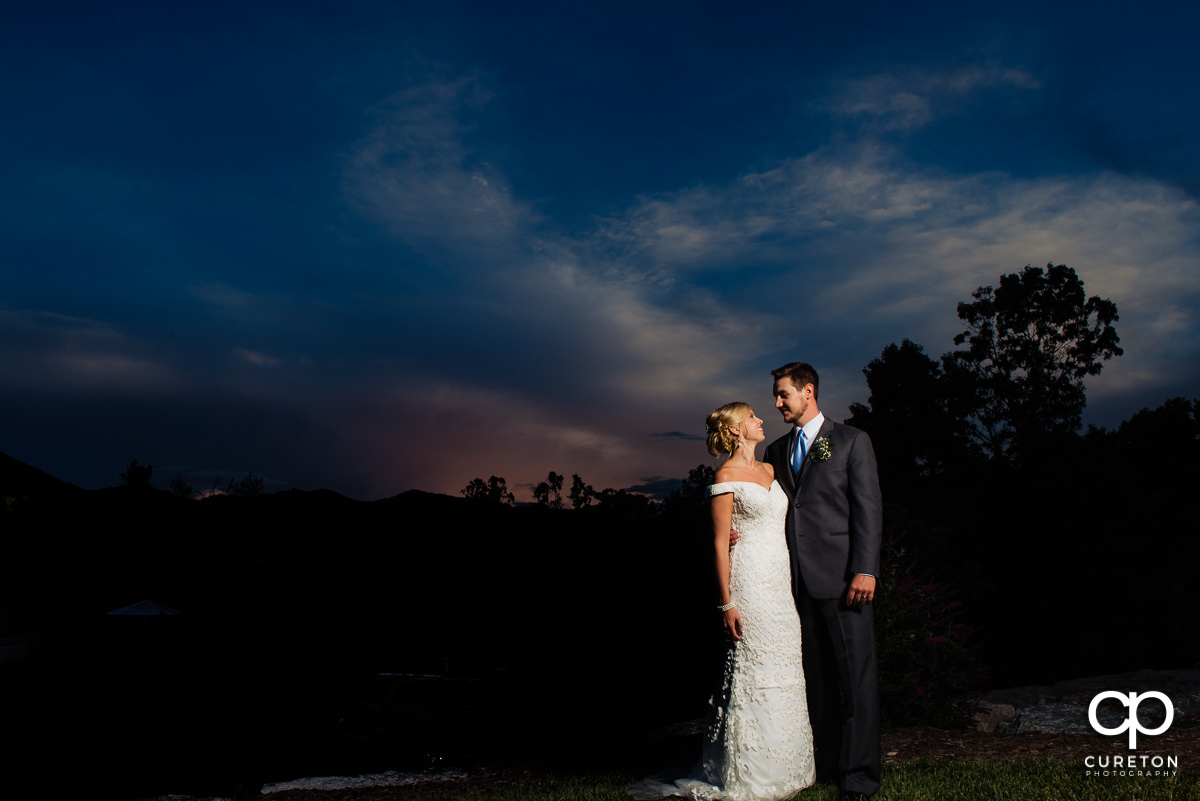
[1053, 718]
[990, 717]
[1063, 707]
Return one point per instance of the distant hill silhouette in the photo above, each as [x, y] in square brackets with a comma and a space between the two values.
[18, 479]
[289, 599]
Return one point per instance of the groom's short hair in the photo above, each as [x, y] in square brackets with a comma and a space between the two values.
[799, 373]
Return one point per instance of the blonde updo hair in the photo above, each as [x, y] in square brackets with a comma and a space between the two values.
[721, 423]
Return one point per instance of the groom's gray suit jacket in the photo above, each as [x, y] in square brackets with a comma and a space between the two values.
[835, 522]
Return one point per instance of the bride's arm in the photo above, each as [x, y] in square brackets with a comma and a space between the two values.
[722, 518]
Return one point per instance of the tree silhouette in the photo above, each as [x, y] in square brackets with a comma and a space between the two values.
[690, 497]
[249, 485]
[181, 487]
[625, 505]
[549, 492]
[908, 416]
[476, 490]
[1160, 448]
[581, 494]
[136, 476]
[495, 490]
[698, 480]
[1030, 344]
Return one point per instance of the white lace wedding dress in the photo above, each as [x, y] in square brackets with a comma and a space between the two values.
[758, 742]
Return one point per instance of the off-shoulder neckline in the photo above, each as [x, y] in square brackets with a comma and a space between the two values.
[774, 481]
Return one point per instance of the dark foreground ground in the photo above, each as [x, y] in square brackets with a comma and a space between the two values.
[900, 746]
[1011, 718]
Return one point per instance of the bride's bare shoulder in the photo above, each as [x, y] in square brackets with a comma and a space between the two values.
[724, 474]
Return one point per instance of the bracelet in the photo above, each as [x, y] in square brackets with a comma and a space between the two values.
[726, 607]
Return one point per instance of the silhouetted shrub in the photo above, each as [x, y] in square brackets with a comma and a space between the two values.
[928, 671]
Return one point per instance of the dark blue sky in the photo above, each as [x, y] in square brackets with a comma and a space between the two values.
[382, 246]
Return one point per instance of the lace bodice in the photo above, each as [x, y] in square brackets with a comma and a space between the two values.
[760, 581]
[758, 518]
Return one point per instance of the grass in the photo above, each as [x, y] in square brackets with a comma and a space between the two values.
[1051, 780]
[943, 780]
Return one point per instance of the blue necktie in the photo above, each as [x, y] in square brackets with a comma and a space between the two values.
[799, 451]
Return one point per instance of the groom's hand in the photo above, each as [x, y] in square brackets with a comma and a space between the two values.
[862, 590]
[733, 538]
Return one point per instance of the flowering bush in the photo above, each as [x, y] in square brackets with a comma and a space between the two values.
[928, 671]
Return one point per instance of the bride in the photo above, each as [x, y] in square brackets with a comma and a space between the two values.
[758, 743]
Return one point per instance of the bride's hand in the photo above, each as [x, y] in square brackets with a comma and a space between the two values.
[733, 625]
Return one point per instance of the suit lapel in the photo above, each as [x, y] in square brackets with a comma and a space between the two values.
[777, 456]
[825, 430]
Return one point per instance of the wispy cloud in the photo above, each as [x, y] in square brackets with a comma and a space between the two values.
[607, 325]
[585, 346]
[668, 307]
[856, 238]
[657, 487]
[679, 435]
[255, 358]
[223, 296]
[47, 352]
[910, 98]
[414, 173]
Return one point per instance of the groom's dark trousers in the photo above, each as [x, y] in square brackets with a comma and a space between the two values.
[834, 529]
[843, 696]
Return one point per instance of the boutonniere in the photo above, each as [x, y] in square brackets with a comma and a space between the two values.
[821, 450]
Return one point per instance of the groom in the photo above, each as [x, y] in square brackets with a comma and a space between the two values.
[834, 526]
